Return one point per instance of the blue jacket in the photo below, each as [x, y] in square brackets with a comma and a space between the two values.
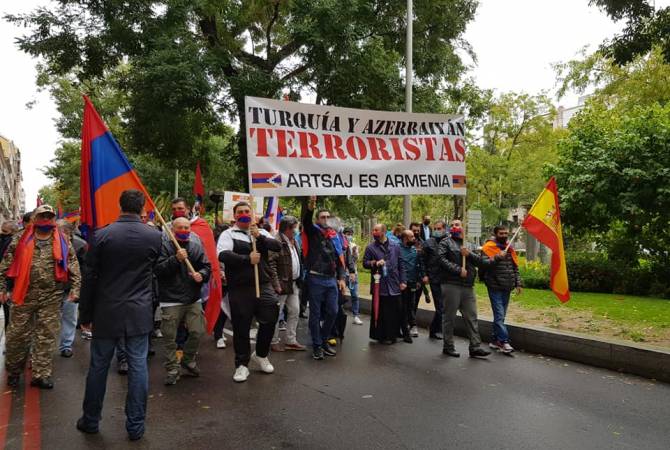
[395, 271]
[412, 264]
[117, 290]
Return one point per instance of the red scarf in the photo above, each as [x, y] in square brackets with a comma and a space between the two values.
[19, 270]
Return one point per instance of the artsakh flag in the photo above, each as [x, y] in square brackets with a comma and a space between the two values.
[273, 213]
[544, 223]
[105, 173]
[199, 189]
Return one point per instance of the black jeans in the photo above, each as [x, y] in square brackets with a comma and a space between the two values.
[218, 326]
[244, 306]
[438, 302]
[407, 316]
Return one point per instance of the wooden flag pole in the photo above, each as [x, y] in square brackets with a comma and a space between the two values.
[516, 233]
[253, 247]
[173, 239]
[465, 221]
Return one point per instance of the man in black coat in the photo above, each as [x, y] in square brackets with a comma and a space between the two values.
[180, 299]
[116, 302]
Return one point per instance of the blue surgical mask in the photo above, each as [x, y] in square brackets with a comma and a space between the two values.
[183, 237]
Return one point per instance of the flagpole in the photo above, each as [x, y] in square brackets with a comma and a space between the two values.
[465, 230]
[253, 247]
[176, 183]
[173, 239]
[516, 233]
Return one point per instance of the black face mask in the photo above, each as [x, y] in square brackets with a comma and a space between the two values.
[502, 240]
[426, 222]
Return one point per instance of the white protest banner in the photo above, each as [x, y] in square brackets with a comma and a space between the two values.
[230, 199]
[300, 149]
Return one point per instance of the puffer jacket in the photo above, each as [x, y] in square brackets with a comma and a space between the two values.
[503, 275]
[451, 262]
[431, 260]
[175, 284]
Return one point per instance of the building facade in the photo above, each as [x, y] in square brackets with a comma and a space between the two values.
[12, 196]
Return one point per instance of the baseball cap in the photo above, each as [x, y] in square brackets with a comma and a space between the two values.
[45, 209]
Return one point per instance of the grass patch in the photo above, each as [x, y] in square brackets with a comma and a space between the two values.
[641, 311]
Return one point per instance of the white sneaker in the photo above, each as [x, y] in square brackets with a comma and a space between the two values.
[506, 348]
[414, 332]
[221, 343]
[158, 333]
[263, 362]
[241, 374]
[357, 321]
[253, 333]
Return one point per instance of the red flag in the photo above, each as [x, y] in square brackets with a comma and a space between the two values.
[199, 189]
[213, 307]
[105, 173]
[59, 210]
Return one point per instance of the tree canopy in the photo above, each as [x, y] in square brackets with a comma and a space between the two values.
[193, 62]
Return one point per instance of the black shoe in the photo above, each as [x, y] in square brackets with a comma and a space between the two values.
[302, 315]
[123, 368]
[135, 437]
[67, 353]
[329, 351]
[407, 338]
[317, 354]
[12, 381]
[437, 336]
[152, 352]
[450, 352]
[479, 353]
[42, 383]
[192, 369]
[81, 426]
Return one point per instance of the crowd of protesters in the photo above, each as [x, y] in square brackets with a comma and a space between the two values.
[133, 281]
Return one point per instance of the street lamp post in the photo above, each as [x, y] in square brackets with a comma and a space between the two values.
[407, 200]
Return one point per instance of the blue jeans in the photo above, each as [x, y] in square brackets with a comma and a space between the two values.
[68, 324]
[322, 307]
[102, 351]
[499, 303]
[355, 301]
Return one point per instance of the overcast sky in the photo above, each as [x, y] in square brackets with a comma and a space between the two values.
[516, 42]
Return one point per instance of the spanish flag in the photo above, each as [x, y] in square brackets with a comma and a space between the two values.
[544, 223]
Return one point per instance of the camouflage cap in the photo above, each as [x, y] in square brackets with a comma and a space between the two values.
[45, 209]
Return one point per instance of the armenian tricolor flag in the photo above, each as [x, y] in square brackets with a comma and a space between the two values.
[458, 181]
[544, 222]
[105, 172]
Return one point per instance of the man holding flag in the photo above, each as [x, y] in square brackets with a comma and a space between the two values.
[117, 294]
[501, 279]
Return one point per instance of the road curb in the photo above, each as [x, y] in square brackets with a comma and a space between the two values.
[608, 354]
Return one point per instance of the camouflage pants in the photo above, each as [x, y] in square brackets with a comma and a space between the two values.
[36, 322]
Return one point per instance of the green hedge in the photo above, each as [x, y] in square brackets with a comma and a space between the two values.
[594, 272]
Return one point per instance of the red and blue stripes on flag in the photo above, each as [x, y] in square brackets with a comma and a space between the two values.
[105, 172]
[273, 213]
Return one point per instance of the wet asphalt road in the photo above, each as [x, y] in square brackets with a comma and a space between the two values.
[369, 397]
